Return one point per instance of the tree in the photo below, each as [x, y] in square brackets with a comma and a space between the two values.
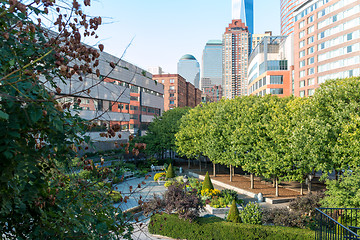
[170, 172]
[161, 133]
[207, 184]
[343, 193]
[329, 131]
[233, 215]
[39, 136]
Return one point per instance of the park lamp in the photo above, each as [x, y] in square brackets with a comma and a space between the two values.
[311, 176]
[185, 179]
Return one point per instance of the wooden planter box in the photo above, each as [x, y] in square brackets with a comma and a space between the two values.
[212, 210]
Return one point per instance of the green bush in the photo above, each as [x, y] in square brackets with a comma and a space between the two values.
[159, 176]
[251, 214]
[170, 172]
[216, 228]
[207, 184]
[115, 196]
[233, 215]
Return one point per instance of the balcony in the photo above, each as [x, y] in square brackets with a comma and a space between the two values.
[172, 91]
[172, 98]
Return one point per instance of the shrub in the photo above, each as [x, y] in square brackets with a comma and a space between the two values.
[159, 176]
[115, 196]
[195, 184]
[186, 204]
[307, 204]
[170, 172]
[169, 182]
[117, 180]
[284, 217]
[217, 229]
[251, 214]
[227, 193]
[207, 184]
[233, 215]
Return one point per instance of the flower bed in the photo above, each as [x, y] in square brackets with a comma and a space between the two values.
[213, 210]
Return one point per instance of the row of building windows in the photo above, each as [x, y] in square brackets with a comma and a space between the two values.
[136, 89]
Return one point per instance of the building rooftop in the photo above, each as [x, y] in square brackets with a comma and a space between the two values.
[188, 57]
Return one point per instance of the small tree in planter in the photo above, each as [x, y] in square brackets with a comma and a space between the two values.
[234, 215]
[207, 184]
[170, 172]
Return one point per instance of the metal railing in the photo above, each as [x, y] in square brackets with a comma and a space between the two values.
[337, 223]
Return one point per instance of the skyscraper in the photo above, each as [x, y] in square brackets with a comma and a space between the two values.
[189, 68]
[211, 64]
[244, 10]
[287, 8]
[236, 44]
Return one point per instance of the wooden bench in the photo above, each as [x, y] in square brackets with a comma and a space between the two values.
[157, 168]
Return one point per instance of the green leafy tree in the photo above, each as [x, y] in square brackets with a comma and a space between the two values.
[161, 132]
[207, 184]
[233, 215]
[39, 136]
[343, 193]
[329, 131]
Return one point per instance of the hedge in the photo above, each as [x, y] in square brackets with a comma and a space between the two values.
[217, 228]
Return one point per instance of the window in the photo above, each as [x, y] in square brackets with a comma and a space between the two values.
[120, 106]
[264, 81]
[310, 40]
[301, 24]
[302, 73]
[349, 49]
[302, 54]
[311, 81]
[171, 94]
[134, 108]
[301, 34]
[172, 80]
[310, 50]
[162, 81]
[321, 13]
[302, 93]
[172, 87]
[310, 19]
[311, 71]
[276, 91]
[302, 44]
[321, 46]
[133, 116]
[310, 29]
[302, 64]
[134, 89]
[127, 107]
[133, 98]
[311, 92]
[172, 102]
[302, 83]
[276, 79]
[321, 35]
[349, 36]
[311, 60]
[143, 109]
[334, 18]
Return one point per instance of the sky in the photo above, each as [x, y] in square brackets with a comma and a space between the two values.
[159, 32]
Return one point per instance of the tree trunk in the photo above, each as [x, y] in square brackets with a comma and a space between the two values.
[188, 163]
[336, 175]
[277, 187]
[251, 180]
[301, 189]
[274, 182]
[233, 171]
[230, 173]
[309, 186]
[214, 169]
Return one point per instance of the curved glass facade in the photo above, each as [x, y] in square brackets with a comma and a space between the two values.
[287, 8]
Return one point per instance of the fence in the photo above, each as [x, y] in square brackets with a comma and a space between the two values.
[337, 223]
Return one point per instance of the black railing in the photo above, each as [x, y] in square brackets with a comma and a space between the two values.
[337, 223]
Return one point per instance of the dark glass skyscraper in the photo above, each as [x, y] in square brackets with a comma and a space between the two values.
[244, 10]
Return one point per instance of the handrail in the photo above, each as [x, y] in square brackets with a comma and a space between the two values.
[318, 209]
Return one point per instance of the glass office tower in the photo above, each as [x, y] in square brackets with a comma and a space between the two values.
[244, 10]
[189, 68]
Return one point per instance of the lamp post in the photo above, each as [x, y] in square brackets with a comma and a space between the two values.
[310, 177]
[185, 179]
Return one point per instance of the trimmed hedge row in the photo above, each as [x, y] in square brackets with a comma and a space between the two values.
[216, 228]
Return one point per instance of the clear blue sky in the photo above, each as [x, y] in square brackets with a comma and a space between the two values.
[165, 30]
